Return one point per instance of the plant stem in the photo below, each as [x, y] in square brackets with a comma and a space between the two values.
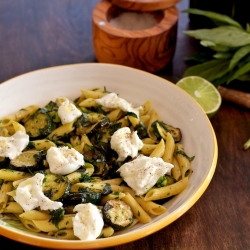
[246, 144]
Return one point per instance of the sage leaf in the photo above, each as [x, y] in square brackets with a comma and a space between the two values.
[223, 79]
[214, 46]
[241, 71]
[210, 70]
[221, 55]
[223, 35]
[223, 19]
[245, 77]
[198, 57]
[239, 54]
[248, 28]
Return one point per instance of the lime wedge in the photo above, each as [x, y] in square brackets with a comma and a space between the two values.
[203, 91]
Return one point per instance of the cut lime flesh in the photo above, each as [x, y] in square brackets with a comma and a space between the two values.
[204, 92]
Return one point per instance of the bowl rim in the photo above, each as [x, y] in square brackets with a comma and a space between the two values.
[130, 236]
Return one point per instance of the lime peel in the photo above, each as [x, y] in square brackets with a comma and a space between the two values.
[203, 91]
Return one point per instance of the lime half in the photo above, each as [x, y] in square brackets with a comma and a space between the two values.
[203, 91]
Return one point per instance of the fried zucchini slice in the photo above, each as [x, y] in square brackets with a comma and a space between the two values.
[160, 130]
[29, 160]
[117, 214]
[40, 124]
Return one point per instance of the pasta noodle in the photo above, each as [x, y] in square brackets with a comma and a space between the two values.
[183, 161]
[20, 115]
[167, 191]
[169, 148]
[139, 213]
[64, 234]
[159, 150]
[48, 226]
[5, 188]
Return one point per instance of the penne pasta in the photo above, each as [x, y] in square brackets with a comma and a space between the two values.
[92, 94]
[48, 226]
[176, 171]
[147, 149]
[30, 225]
[21, 115]
[18, 127]
[150, 207]
[169, 148]
[35, 215]
[4, 198]
[112, 196]
[64, 234]
[167, 191]
[145, 108]
[88, 102]
[12, 175]
[138, 211]
[115, 114]
[61, 131]
[43, 144]
[106, 232]
[12, 207]
[153, 117]
[183, 161]
[159, 150]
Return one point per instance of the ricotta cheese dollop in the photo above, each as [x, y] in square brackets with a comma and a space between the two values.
[125, 143]
[29, 195]
[64, 160]
[13, 146]
[142, 173]
[67, 111]
[112, 100]
[88, 221]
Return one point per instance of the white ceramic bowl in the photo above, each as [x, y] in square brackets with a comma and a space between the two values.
[174, 106]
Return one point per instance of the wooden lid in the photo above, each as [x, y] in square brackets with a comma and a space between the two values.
[145, 5]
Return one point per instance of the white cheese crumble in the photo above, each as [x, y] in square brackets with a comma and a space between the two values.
[67, 111]
[29, 195]
[125, 143]
[111, 100]
[142, 173]
[13, 146]
[88, 221]
[64, 160]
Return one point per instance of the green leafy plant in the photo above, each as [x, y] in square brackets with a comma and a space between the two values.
[226, 54]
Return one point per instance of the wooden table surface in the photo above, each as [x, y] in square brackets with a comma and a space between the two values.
[39, 34]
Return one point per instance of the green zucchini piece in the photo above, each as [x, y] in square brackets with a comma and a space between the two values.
[55, 186]
[82, 197]
[160, 130]
[39, 124]
[29, 160]
[117, 214]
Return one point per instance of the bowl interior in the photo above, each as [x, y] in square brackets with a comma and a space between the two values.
[173, 105]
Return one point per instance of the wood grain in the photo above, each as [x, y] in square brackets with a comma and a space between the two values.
[145, 5]
[150, 49]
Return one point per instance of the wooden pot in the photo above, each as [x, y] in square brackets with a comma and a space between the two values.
[148, 49]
